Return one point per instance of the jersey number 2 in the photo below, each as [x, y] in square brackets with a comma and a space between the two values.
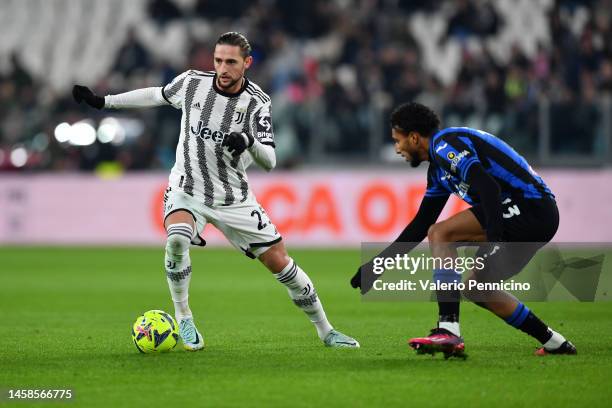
[260, 225]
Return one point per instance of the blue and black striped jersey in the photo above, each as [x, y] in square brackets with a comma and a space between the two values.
[453, 150]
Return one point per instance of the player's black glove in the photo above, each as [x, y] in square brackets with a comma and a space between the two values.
[364, 278]
[83, 93]
[238, 142]
[356, 279]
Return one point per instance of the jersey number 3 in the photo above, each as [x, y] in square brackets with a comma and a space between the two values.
[511, 210]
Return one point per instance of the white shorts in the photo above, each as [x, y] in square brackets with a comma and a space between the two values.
[246, 225]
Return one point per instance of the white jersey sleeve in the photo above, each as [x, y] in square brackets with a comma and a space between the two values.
[263, 154]
[174, 92]
[139, 98]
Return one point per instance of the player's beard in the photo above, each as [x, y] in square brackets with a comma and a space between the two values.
[230, 85]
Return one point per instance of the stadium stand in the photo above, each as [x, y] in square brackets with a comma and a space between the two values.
[538, 73]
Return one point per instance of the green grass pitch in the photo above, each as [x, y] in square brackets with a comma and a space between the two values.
[65, 318]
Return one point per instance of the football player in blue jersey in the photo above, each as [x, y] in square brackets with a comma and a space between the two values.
[509, 203]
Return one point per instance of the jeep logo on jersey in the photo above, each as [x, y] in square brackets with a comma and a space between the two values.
[207, 133]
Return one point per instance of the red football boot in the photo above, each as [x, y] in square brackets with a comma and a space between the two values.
[566, 348]
[439, 340]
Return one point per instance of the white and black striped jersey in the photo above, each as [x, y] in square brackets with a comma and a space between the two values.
[204, 168]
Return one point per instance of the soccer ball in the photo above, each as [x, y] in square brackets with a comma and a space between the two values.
[155, 331]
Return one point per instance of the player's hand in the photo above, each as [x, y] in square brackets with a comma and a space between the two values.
[83, 93]
[238, 142]
[364, 278]
[356, 279]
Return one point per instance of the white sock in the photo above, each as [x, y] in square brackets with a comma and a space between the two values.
[182, 310]
[555, 341]
[302, 292]
[178, 267]
[452, 327]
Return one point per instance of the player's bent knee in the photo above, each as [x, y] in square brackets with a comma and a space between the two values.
[177, 245]
[179, 238]
[438, 233]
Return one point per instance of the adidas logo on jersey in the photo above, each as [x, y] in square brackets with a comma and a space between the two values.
[196, 105]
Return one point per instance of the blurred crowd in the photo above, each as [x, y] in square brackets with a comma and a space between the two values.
[334, 70]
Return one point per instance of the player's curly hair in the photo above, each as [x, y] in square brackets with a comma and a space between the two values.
[238, 39]
[415, 117]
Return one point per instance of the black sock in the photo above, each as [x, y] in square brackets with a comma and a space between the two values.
[448, 300]
[523, 319]
[448, 305]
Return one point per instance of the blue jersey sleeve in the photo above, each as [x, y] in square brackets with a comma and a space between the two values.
[434, 187]
[455, 154]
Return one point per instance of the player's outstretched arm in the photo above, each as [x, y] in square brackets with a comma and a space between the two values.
[139, 98]
[411, 236]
